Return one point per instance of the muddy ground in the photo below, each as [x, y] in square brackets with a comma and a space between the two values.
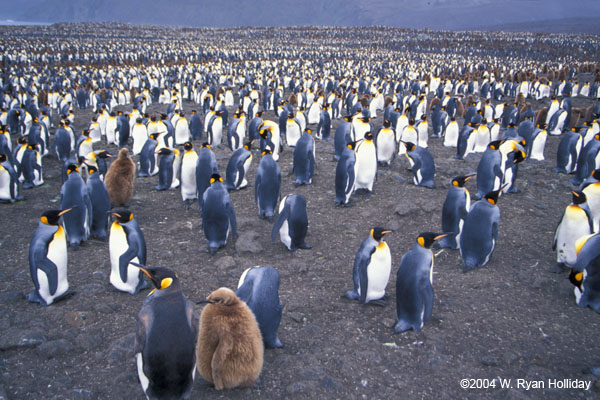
[512, 319]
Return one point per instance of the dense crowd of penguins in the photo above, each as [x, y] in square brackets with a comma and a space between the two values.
[421, 93]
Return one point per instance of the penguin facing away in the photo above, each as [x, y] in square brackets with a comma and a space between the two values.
[292, 222]
[126, 243]
[267, 185]
[165, 338]
[480, 232]
[48, 259]
[74, 194]
[237, 168]
[422, 165]
[259, 289]
[372, 268]
[230, 347]
[218, 216]
[454, 212]
[414, 280]
[344, 175]
[100, 204]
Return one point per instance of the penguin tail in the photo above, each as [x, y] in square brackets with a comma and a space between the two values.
[469, 264]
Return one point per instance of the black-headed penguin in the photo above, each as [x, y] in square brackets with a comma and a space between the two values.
[165, 338]
[585, 274]
[414, 284]
[292, 222]
[206, 166]
[126, 243]
[259, 289]
[48, 259]
[576, 222]
[304, 158]
[74, 194]
[168, 169]
[480, 231]
[237, 168]
[365, 167]
[344, 175]
[189, 187]
[267, 185]
[100, 204]
[218, 216]
[454, 212]
[372, 268]
[9, 181]
[421, 165]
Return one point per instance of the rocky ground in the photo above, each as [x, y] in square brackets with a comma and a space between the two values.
[512, 319]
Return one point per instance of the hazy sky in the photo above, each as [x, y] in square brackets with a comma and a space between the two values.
[433, 14]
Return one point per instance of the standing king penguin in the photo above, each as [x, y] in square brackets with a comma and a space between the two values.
[218, 216]
[48, 259]
[372, 268]
[165, 339]
[414, 284]
[126, 243]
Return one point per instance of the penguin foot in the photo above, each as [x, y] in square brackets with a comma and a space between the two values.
[274, 344]
[378, 302]
[435, 135]
[160, 188]
[514, 189]
[65, 295]
[304, 245]
[34, 297]
[348, 204]
[351, 295]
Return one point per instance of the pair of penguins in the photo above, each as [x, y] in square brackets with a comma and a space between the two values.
[48, 256]
[475, 228]
[227, 347]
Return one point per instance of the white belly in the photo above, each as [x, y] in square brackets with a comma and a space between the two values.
[117, 246]
[378, 273]
[569, 231]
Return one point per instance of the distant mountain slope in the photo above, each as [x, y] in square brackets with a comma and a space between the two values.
[528, 15]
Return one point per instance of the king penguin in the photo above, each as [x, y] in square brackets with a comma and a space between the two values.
[100, 204]
[267, 185]
[292, 222]
[454, 212]
[165, 338]
[421, 165]
[168, 169]
[386, 144]
[586, 272]
[414, 284]
[48, 259]
[304, 159]
[372, 268]
[206, 166]
[259, 289]
[237, 168]
[480, 232]
[344, 176]
[9, 181]
[74, 194]
[189, 189]
[126, 243]
[218, 216]
[576, 222]
[365, 167]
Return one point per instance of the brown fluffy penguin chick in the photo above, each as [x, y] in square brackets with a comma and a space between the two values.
[119, 179]
[230, 347]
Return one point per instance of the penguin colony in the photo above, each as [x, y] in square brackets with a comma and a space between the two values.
[250, 113]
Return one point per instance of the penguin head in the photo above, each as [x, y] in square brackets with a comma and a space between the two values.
[386, 123]
[164, 151]
[222, 297]
[161, 277]
[352, 145]
[215, 178]
[576, 278]
[205, 144]
[519, 156]
[103, 154]
[85, 132]
[495, 145]
[409, 146]
[22, 140]
[492, 197]
[248, 145]
[369, 135]
[52, 217]
[92, 170]
[460, 181]
[187, 146]
[596, 174]
[378, 232]
[426, 239]
[123, 216]
[578, 197]
[308, 130]
[72, 168]
[3, 158]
